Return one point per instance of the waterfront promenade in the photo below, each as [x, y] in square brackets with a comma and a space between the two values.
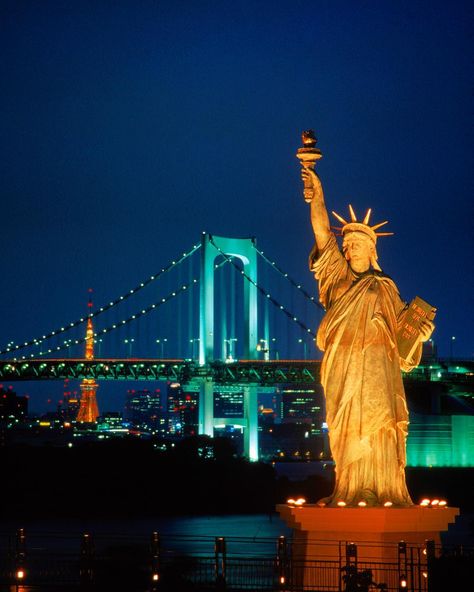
[239, 552]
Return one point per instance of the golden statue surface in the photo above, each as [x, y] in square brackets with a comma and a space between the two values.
[366, 409]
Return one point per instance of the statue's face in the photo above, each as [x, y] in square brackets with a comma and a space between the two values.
[358, 250]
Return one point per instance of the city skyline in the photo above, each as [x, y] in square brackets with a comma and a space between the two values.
[128, 133]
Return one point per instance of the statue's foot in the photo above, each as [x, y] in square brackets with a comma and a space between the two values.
[366, 498]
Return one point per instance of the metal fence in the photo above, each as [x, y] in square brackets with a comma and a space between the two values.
[50, 563]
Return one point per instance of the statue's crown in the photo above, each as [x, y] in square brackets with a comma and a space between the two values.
[363, 226]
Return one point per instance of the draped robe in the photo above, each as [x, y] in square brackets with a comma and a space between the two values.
[366, 409]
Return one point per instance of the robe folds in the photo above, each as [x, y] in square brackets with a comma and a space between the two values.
[366, 409]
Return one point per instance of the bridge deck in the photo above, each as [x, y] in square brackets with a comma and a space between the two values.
[260, 372]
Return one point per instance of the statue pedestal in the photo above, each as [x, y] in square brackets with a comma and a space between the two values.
[320, 534]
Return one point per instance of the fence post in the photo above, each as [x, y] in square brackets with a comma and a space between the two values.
[350, 568]
[20, 557]
[86, 564]
[282, 563]
[220, 563]
[402, 567]
[430, 557]
[155, 561]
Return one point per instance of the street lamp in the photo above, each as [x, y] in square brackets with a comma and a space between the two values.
[229, 352]
[305, 345]
[192, 342]
[161, 344]
[453, 339]
[130, 344]
[262, 346]
[275, 351]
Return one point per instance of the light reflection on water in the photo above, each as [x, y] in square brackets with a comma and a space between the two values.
[256, 533]
[251, 535]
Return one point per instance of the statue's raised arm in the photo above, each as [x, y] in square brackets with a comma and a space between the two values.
[319, 213]
[308, 155]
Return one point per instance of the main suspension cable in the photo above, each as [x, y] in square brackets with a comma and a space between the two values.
[299, 287]
[99, 311]
[123, 322]
[264, 292]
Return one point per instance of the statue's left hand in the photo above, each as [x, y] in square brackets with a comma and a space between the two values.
[426, 329]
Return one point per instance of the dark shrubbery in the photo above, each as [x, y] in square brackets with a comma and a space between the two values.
[199, 475]
[131, 477]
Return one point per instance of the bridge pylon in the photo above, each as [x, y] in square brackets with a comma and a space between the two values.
[243, 248]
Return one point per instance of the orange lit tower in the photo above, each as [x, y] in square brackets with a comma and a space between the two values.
[88, 410]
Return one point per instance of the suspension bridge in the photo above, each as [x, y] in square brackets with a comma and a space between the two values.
[221, 316]
[234, 319]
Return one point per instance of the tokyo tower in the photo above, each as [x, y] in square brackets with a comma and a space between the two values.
[88, 410]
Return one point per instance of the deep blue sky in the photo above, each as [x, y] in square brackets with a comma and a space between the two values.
[128, 128]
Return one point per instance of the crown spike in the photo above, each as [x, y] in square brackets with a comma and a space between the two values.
[367, 216]
[384, 233]
[340, 218]
[352, 213]
[379, 225]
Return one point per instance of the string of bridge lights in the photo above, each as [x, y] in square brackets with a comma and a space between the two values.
[72, 342]
[264, 292]
[290, 279]
[10, 348]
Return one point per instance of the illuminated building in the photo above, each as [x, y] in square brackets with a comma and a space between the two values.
[441, 441]
[69, 406]
[303, 406]
[229, 403]
[13, 408]
[440, 399]
[182, 410]
[230, 417]
[144, 411]
[291, 427]
[88, 409]
[112, 423]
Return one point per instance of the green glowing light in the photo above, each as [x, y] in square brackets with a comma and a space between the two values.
[441, 441]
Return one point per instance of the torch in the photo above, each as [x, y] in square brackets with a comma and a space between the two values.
[308, 155]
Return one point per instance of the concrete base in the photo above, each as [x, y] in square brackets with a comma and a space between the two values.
[320, 534]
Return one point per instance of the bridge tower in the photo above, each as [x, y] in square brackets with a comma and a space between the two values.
[243, 248]
[88, 410]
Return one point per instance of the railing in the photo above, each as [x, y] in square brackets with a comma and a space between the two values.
[52, 562]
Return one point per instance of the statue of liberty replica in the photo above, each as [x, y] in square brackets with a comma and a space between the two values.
[368, 336]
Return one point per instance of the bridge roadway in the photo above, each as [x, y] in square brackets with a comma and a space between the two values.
[179, 370]
[256, 372]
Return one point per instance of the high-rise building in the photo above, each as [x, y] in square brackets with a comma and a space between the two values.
[303, 405]
[144, 410]
[229, 403]
[298, 432]
[182, 410]
[70, 404]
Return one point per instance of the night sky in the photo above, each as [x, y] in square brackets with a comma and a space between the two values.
[128, 128]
